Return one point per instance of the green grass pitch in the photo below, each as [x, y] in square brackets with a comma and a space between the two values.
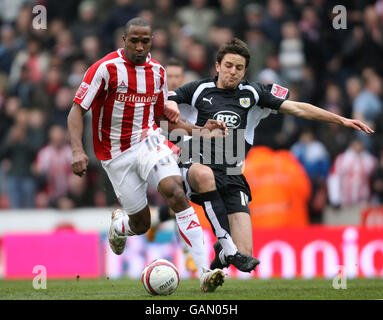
[232, 289]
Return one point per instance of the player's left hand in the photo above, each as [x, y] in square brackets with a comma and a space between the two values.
[171, 111]
[357, 125]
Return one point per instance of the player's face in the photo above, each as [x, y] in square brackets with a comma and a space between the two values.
[231, 71]
[175, 76]
[138, 41]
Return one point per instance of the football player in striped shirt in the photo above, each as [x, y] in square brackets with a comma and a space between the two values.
[127, 92]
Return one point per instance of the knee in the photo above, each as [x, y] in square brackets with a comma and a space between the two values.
[174, 194]
[141, 227]
[201, 179]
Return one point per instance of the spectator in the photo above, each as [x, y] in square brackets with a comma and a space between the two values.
[353, 88]
[291, 54]
[334, 98]
[274, 18]
[253, 15]
[162, 11]
[8, 115]
[91, 49]
[261, 49]
[197, 59]
[312, 154]
[78, 195]
[87, 23]
[53, 165]
[63, 102]
[123, 11]
[314, 43]
[280, 189]
[230, 16]
[75, 76]
[9, 46]
[198, 17]
[161, 42]
[377, 182]
[65, 47]
[45, 92]
[349, 179]
[335, 138]
[367, 106]
[35, 60]
[18, 153]
[10, 9]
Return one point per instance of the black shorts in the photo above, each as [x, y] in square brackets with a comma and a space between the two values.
[234, 190]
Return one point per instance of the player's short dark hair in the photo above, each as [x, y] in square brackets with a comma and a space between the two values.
[174, 62]
[235, 46]
[138, 21]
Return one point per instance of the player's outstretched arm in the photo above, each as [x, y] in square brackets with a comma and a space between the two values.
[212, 128]
[311, 112]
[75, 127]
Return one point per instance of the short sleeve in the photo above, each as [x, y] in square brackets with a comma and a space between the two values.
[95, 79]
[184, 94]
[271, 95]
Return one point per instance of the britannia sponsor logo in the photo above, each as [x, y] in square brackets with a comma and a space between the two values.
[136, 98]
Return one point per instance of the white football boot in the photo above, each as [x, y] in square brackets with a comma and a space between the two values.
[117, 242]
[211, 279]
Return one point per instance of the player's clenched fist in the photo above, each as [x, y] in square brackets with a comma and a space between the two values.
[172, 112]
[79, 163]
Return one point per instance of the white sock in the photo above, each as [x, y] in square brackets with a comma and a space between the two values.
[222, 235]
[122, 226]
[227, 244]
[191, 231]
[222, 258]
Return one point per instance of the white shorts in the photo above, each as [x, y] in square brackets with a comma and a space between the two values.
[147, 162]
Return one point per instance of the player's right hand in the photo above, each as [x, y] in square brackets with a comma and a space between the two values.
[214, 129]
[79, 163]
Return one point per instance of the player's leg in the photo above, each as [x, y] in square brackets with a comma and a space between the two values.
[241, 231]
[201, 180]
[130, 189]
[166, 177]
[236, 198]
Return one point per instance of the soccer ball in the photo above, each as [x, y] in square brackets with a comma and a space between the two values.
[160, 277]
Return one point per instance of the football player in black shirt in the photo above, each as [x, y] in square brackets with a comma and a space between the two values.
[241, 105]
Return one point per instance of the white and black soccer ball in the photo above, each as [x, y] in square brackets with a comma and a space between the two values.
[160, 277]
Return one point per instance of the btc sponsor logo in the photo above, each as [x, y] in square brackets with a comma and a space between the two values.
[231, 119]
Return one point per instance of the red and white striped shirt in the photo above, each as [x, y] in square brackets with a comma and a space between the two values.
[349, 179]
[124, 99]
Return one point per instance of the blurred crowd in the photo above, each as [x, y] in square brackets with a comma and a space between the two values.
[292, 43]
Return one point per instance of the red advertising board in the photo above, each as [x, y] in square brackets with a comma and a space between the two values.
[319, 251]
[305, 252]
